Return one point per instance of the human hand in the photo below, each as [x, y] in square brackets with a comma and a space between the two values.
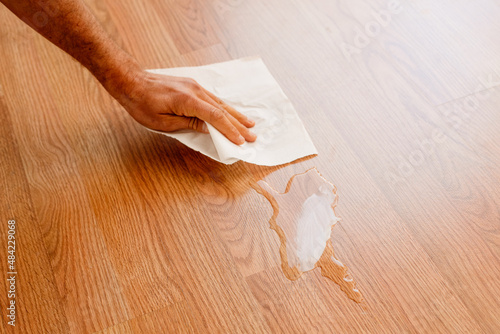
[167, 103]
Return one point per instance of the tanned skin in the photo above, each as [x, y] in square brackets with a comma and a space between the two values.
[159, 102]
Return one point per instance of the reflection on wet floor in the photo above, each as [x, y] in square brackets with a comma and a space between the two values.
[303, 218]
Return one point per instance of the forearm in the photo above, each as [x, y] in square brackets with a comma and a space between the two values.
[71, 26]
[159, 102]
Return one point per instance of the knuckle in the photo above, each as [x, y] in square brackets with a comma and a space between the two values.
[192, 124]
[216, 115]
[193, 85]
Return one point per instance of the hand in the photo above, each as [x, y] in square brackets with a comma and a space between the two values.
[167, 103]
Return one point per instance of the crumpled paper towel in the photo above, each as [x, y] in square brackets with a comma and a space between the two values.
[246, 85]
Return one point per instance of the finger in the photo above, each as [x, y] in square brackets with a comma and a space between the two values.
[218, 118]
[247, 134]
[194, 123]
[173, 123]
[242, 128]
[249, 123]
[236, 114]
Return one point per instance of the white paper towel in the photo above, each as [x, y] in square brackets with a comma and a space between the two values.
[246, 85]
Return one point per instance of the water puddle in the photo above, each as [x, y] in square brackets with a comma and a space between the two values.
[303, 218]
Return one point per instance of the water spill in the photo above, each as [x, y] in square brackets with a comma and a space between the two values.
[303, 218]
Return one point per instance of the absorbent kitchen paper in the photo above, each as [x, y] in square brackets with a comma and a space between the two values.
[246, 85]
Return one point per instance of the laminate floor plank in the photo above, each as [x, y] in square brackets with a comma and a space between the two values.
[142, 32]
[71, 238]
[31, 262]
[113, 198]
[414, 39]
[186, 24]
[413, 156]
[445, 49]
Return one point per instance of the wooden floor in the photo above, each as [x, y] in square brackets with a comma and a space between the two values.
[120, 230]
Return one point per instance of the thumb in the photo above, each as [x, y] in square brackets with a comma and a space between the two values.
[191, 123]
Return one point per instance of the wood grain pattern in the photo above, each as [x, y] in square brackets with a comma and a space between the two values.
[33, 263]
[50, 166]
[126, 231]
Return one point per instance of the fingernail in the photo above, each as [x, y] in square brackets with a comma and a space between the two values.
[241, 140]
[204, 128]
